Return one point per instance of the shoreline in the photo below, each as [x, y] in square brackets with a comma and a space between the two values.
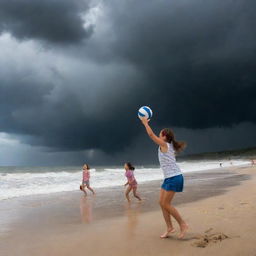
[64, 216]
[45, 196]
[198, 184]
[45, 181]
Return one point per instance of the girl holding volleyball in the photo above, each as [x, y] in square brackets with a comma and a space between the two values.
[173, 178]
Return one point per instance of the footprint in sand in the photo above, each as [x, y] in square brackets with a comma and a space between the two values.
[207, 238]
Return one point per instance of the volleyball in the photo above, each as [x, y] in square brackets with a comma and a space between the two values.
[145, 111]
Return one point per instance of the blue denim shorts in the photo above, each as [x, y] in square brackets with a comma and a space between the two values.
[86, 183]
[174, 183]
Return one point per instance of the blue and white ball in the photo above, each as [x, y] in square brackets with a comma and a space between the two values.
[145, 112]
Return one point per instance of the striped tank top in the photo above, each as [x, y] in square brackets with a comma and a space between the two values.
[168, 162]
[86, 176]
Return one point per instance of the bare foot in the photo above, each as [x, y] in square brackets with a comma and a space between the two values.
[183, 230]
[169, 230]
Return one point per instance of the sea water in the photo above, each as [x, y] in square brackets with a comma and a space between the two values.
[25, 181]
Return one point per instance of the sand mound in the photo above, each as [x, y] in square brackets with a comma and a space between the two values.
[209, 238]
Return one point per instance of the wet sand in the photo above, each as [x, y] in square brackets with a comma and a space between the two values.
[221, 202]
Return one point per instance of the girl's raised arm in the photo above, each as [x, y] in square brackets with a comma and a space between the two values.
[152, 135]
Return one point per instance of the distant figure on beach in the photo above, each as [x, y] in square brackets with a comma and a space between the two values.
[86, 180]
[131, 182]
[173, 178]
[253, 162]
[220, 164]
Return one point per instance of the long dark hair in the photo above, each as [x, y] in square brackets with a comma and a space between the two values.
[130, 166]
[87, 166]
[178, 145]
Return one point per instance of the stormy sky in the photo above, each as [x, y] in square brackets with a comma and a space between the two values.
[73, 74]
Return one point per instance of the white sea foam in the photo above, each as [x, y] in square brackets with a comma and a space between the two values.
[16, 182]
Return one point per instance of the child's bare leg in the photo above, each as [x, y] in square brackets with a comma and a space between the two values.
[83, 188]
[167, 217]
[170, 228]
[135, 193]
[182, 223]
[166, 204]
[128, 190]
[90, 189]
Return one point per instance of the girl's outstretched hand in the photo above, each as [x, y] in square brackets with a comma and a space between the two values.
[144, 120]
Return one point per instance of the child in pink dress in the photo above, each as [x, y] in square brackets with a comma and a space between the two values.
[131, 182]
[86, 179]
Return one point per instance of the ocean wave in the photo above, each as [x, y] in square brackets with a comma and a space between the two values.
[46, 180]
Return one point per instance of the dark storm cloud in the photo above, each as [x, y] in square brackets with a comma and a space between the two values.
[193, 62]
[71, 111]
[57, 21]
[198, 57]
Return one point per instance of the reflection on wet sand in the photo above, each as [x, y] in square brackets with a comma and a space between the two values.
[132, 212]
[86, 209]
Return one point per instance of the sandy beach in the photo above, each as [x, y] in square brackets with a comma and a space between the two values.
[219, 206]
